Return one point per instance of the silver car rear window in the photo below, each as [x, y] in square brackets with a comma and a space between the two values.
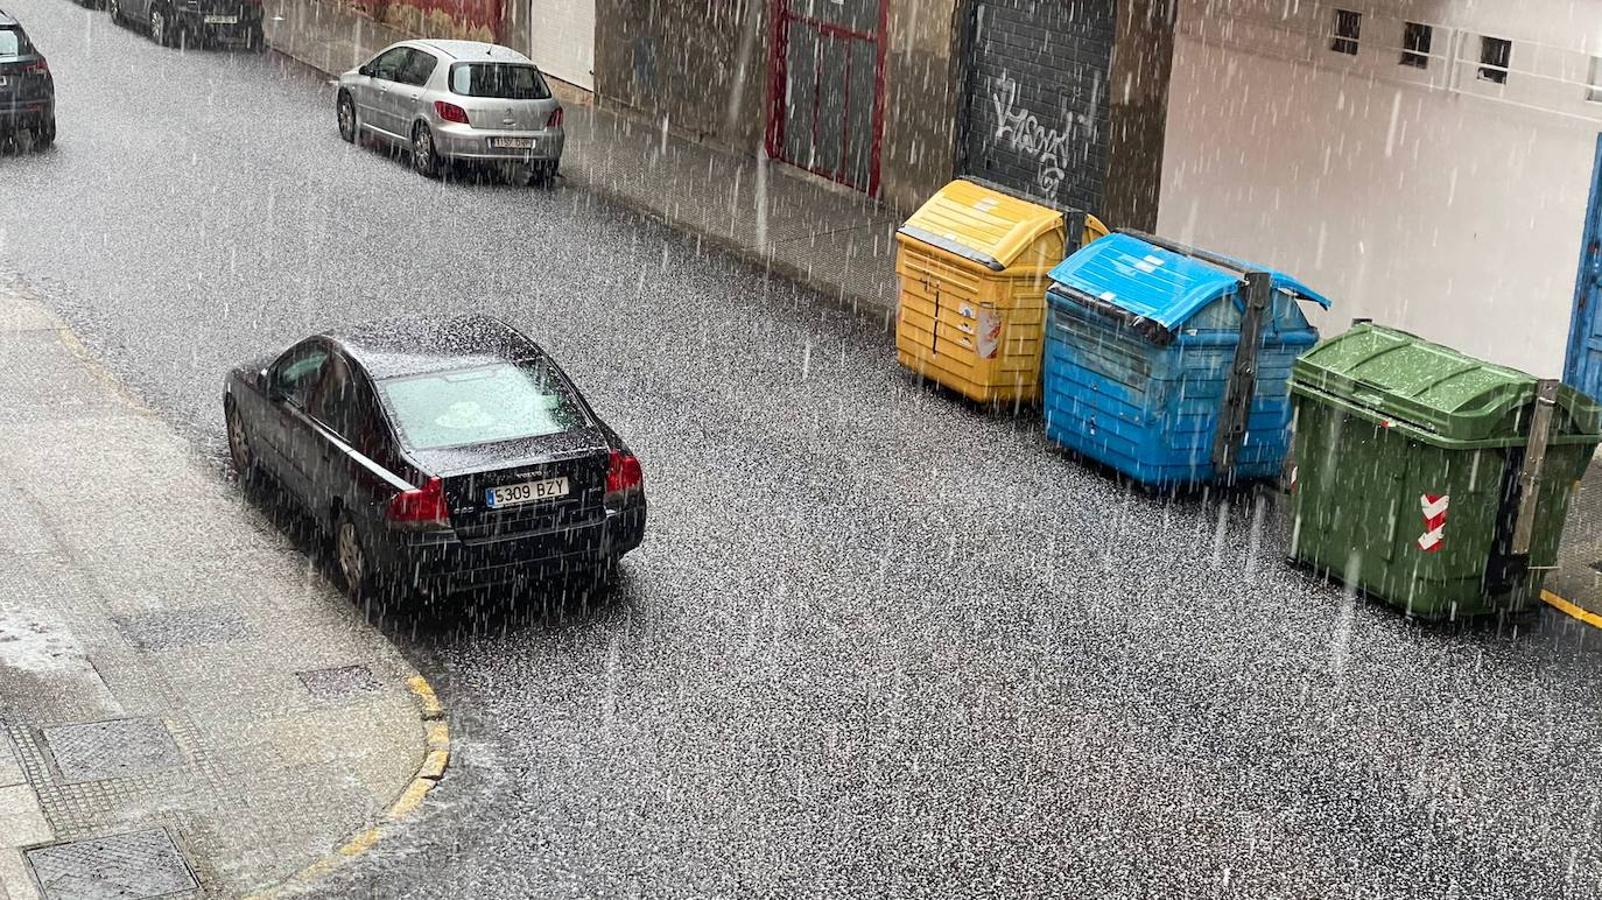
[504, 81]
[497, 402]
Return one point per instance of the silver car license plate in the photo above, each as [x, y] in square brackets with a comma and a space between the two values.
[222, 20]
[512, 143]
[527, 492]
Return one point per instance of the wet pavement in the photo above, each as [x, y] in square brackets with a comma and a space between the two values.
[877, 642]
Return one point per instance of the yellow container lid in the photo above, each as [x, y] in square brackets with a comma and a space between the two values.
[981, 225]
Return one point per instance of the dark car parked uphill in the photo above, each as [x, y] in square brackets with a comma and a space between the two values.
[442, 454]
[200, 22]
[27, 90]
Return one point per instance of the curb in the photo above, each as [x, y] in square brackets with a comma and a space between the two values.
[436, 758]
[1573, 610]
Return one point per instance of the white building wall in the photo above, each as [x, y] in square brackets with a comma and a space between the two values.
[562, 40]
[1430, 200]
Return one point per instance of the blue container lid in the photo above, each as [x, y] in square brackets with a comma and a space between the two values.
[1157, 284]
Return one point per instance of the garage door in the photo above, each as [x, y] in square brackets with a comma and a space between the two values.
[562, 39]
[1034, 116]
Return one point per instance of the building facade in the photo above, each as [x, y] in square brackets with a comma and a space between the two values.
[1429, 165]
[893, 98]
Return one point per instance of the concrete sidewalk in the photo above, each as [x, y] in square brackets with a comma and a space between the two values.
[1577, 582]
[838, 242]
[186, 705]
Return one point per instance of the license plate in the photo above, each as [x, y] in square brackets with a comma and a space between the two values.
[222, 20]
[513, 143]
[527, 492]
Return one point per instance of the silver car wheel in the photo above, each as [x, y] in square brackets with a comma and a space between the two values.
[423, 151]
[158, 27]
[352, 564]
[347, 118]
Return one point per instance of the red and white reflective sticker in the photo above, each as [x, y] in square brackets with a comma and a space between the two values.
[1434, 520]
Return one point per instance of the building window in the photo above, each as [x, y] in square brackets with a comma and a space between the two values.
[1593, 92]
[1416, 40]
[1348, 26]
[1495, 54]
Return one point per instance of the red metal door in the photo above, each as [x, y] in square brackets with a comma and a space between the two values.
[826, 88]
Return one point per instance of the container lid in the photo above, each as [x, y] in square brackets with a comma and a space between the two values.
[980, 224]
[1153, 283]
[1396, 377]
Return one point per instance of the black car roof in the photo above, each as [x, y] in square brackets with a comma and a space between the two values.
[411, 345]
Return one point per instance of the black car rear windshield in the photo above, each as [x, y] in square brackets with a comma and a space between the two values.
[497, 402]
[13, 42]
[505, 81]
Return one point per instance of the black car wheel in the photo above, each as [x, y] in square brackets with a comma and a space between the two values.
[239, 452]
[347, 118]
[45, 134]
[255, 39]
[160, 27]
[351, 557]
[424, 158]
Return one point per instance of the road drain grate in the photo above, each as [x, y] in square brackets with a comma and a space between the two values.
[183, 628]
[332, 684]
[120, 748]
[128, 866]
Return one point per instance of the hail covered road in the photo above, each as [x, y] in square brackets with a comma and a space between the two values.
[876, 643]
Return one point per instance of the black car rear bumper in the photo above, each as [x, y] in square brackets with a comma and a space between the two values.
[441, 563]
[25, 114]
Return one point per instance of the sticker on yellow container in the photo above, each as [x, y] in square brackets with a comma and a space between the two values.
[989, 331]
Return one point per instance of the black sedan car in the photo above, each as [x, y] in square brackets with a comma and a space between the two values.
[27, 90]
[441, 455]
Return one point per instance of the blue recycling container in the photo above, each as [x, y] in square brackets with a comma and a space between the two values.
[1140, 344]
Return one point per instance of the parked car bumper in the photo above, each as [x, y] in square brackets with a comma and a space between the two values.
[193, 22]
[465, 142]
[440, 563]
[25, 114]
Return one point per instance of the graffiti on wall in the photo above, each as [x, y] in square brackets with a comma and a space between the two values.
[1049, 146]
[475, 20]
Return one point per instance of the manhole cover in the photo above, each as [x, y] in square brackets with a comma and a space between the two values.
[331, 684]
[183, 628]
[116, 749]
[120, 867]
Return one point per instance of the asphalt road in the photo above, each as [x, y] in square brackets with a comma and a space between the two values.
[877, 643]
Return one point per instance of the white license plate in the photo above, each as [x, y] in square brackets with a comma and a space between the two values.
[512, 143]
[222, 20]
[527, 492]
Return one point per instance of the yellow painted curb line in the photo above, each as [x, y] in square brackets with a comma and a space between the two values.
[1578, 612]
[437, 753]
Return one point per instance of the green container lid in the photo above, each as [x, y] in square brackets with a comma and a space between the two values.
[1448, 398]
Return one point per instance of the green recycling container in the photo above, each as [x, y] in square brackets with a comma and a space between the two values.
[1408, 473]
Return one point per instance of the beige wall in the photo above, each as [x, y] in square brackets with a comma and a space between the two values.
[1432, 201]
[918, 153]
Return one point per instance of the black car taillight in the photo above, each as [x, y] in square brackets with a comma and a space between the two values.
[38, 67]
[421, 506]
[623, 477]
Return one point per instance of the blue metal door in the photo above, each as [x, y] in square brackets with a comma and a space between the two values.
[1584, 368]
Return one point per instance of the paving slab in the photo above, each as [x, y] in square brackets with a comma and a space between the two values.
[156, 734]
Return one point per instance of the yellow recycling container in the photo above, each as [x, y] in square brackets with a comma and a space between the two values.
[972, 270]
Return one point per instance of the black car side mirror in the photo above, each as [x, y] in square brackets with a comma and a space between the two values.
[366, 70]
[275, 391]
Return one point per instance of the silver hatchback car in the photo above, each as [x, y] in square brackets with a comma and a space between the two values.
[455, 101]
